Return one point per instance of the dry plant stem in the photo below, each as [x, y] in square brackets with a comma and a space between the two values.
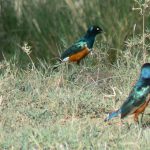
[144, 50]
[142, 8]
[27, 50]
[33, 65]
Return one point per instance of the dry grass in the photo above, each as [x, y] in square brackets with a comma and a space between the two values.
[65, 109]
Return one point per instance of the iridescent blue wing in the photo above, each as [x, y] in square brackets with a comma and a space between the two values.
[136, 98]
[75, 48]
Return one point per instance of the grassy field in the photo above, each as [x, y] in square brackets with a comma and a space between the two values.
[42, 108]
[65, 109]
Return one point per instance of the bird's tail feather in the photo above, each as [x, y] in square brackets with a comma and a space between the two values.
[112, 115]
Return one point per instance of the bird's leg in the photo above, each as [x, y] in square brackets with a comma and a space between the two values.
[142, 117]
[146, 104]
[140, 110]
[78, 62]
[136, 117]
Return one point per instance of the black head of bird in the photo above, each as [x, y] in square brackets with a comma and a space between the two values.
[94, 30]
[145, 71]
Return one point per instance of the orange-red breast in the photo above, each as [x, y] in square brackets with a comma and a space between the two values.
[81, 47]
